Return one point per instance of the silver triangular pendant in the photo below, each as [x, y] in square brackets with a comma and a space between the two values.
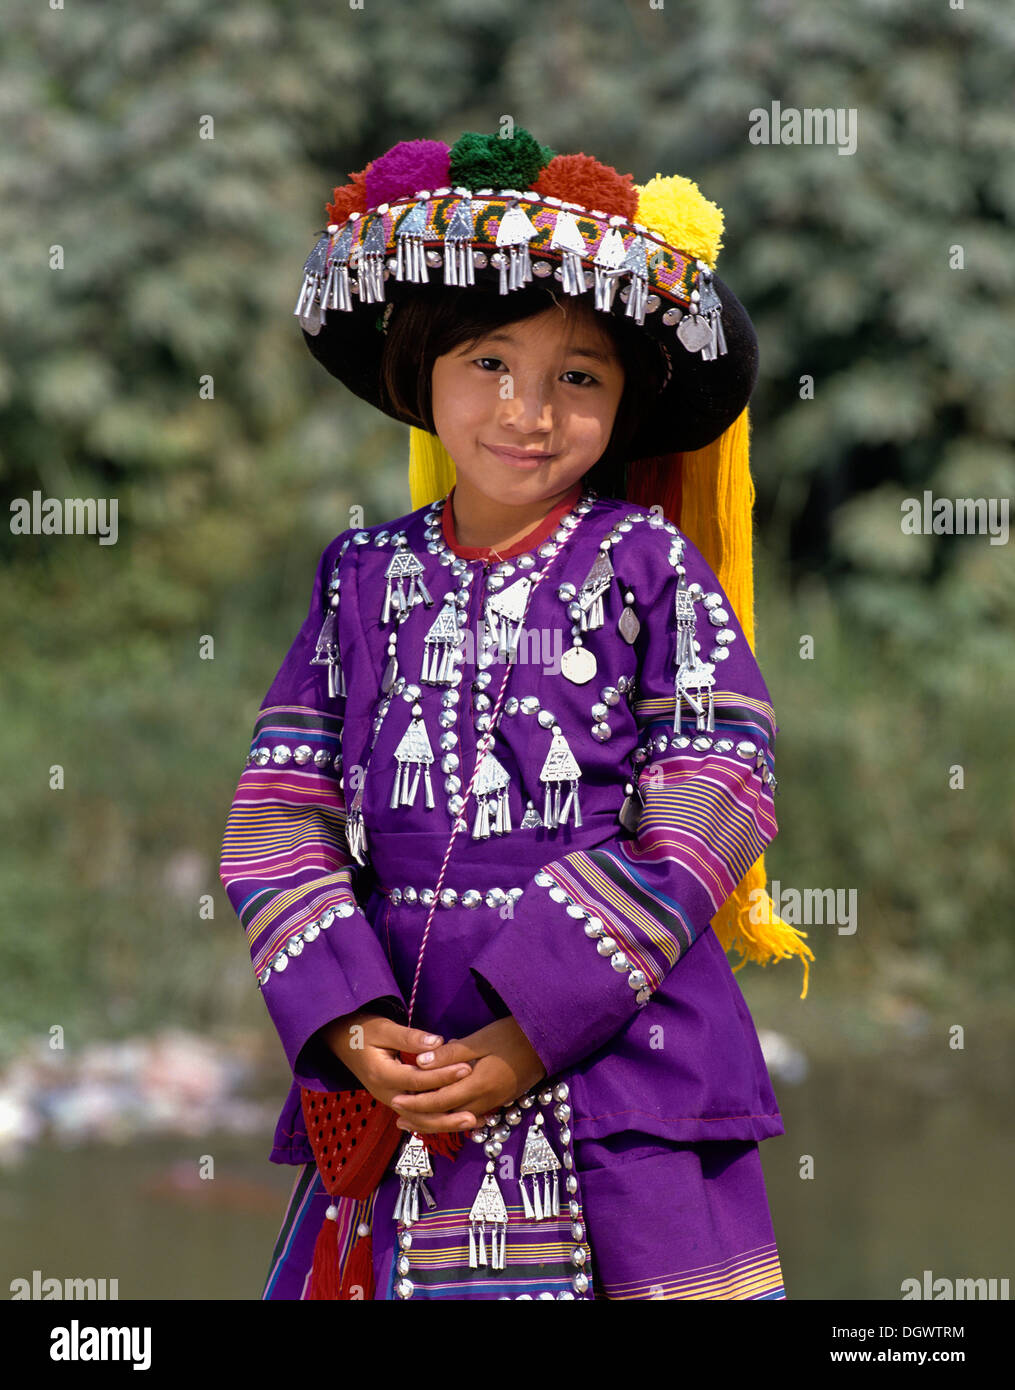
[413, 755]
[439, 646]
[504, 615]
[560, 766]
[404, 565]
[590, 595]
[531, 819]
[539, 1161]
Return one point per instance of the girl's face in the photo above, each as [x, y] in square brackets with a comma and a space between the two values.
[528, 409]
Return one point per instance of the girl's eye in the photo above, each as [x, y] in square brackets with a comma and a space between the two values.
[589, 380]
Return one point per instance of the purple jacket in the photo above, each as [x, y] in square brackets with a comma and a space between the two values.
[592, 931]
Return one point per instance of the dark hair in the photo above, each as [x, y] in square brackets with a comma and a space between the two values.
[429, 323]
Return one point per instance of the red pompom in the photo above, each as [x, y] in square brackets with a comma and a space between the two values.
[351, 197]
[578, 178]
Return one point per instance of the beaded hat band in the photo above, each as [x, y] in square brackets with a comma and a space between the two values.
[502, 214]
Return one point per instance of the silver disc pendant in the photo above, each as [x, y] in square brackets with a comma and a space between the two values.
[629, 625]
[579, 665]
[630, 813]
[693, 332]
[390, 672]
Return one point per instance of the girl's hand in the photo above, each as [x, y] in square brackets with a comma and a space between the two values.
[369, 1045]
[504, 1066]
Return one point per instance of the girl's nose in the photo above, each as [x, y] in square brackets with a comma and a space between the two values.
[528, 409]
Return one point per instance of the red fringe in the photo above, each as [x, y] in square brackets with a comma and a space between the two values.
[324, 1270]
[359, 1272]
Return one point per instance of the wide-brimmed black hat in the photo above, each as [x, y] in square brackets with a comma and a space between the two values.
[500, 214]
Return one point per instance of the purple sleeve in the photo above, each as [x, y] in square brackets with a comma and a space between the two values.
[596, 932]
[286, 867]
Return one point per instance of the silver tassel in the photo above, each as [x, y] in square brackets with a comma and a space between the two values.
[313, 274]
[514, 233]
[413, 755]
[488, 1210]
[337, 294]
[635, 264]
[413, 1168]
[458, 266]
[440, 645]
[355, 828]
[560, 766]
[539, 1160]
[568, 240]
[608, 262]
[694, 677]
[326, 652]
[411, 255]
[370, 268]
[404, 565]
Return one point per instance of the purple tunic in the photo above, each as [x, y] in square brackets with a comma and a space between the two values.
[595, 937]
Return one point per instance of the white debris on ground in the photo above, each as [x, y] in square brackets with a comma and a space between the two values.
[785, 1061]
[171, 1083]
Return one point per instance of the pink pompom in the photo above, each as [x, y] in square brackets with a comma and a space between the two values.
[406, 168]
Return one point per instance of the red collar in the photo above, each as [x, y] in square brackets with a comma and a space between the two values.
[527, 542]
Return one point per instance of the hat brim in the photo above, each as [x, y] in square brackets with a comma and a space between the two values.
[699, 402]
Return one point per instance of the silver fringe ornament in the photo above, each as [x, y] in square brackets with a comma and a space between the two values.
[590, 595]
[694, 678]
[568, 240]
[492, 783]
[489, 1209]
[337, 294]
[609, 265]
[410, 263]
[370, 268]
[505, 613]
[404, 565]
[414, 756]
[440, 645]
[539, 1161]
[413, 1168]
[327, 653]
[458, 266]
[560, 766]
[514, 233]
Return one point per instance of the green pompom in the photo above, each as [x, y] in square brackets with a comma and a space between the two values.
[493, 161]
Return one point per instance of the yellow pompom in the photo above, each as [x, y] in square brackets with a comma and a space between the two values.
[676, 208]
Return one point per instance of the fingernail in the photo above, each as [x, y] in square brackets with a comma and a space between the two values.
[425, 1057]
[431, 1039]
[464, 1071]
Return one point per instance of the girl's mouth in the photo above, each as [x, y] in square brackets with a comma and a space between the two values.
[520, 459]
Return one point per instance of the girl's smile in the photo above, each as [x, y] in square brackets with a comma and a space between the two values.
[525, 411]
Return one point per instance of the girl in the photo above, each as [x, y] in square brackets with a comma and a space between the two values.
[518, 760]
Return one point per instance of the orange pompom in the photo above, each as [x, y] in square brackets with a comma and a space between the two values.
[578, 178]
[351, 197]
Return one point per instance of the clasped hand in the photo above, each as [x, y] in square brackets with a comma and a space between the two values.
[451, 1085]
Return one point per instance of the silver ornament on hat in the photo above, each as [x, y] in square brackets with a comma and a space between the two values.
[458, 267]
[514, 233]
[307, 307]
[489, 1209]
[635, 264]
[609, 264]
[337, 294]
[568, 240]
[370, 268]
[539, 1161]
[410, 263]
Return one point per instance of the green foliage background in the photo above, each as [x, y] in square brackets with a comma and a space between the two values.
[182, 262]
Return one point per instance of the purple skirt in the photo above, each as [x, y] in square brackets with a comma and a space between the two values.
[656, 1221]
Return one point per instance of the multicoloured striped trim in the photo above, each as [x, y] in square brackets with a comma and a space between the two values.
[539, 1258]
[285, 861]
[706, 819]
[752, 1275]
